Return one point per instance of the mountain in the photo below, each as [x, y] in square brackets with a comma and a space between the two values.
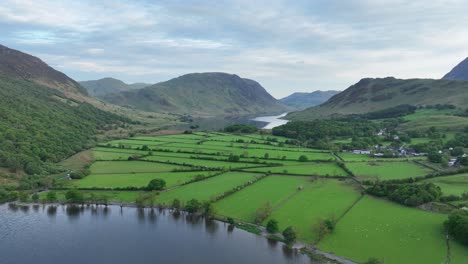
[101, 87]
[301, 101]
[19, 65]
[202, 94]
[460, 72]
[370, 95]
[40, 122]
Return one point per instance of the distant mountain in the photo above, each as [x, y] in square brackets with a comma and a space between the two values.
[460, 72]
[19, 65]
[301, 101]
[370, 95]
[202, 94]
[101, 87]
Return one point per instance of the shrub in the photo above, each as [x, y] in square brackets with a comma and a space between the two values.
[193, 206]
[289, 235]
[272, 226]
[156, 185]
[457, 225]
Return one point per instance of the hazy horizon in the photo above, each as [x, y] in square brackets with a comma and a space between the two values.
[287, 47]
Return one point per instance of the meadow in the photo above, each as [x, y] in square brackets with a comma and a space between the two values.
[375, 170]
[239, 178]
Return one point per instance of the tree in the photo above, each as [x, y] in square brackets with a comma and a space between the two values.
[156, 185]
[289, 235]
[263, 212]
[176, 204]
[192, 206]
[272, 226]
[51, 197]
[208, 209]
[74, 196]
[233, 158]
[35, 197]
[303, 158]
[23, 197]
[320, 229]
[457, 225]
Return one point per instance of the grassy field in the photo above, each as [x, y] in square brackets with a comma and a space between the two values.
[456, 185]
[109, 167]
[273, 189]
[202, 163]
[386, 170]
[113, 196]
[389, 232]
[322, 199]
[207, 189]
[135, 180]
[322, 169]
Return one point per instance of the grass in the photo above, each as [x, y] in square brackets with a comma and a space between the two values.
[110, 167]
[135, 180]
[322, 169]
[386, 170]
[207, 189]
[354, 157]
[389, 232]
[273, 189]
[202, 163]
[325, 198]
[105, 155]
[455, 185]
[423, 113]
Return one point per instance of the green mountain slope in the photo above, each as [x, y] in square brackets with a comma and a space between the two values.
[301, 101]
[370, 95]
[203, 94]
[16, 64]
[460, 72]
[39, 125]
[101, 87]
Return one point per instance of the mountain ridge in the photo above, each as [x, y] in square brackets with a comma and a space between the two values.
[303, 100]
[101, 87]
[459, 72]
[203, 94]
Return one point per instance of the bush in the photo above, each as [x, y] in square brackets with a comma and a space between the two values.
[303, 158]
[51, 197]
[156, 185]
[272, 226]
[457, 225]
[289, 235]
[74, 196]
[193, 206]
[231, 221]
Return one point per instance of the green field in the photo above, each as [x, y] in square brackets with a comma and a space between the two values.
[322, 199]
[135, 180]
[109, 167]
[273, 189]
[389, 232]
[113, 196]
[354, 157]
[207, 189]
[322, 169]
[202, 162]
[386, 170]
[456, 185]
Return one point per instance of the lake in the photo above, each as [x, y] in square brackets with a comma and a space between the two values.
[272, 121]
[64, 234]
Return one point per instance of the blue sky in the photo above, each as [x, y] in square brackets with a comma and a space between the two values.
[287, 46]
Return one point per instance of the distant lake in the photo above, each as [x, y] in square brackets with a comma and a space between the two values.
[48, 234]
[272, 121]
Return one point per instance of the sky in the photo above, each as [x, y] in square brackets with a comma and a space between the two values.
[287, 46]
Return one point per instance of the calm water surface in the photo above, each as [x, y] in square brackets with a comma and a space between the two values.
[272, 121]
[47, 234]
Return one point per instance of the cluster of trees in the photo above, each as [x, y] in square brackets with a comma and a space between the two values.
[392, 112]
[457, 225]
[289, 234]
[38, 126]
[241, 128]
[407, 194]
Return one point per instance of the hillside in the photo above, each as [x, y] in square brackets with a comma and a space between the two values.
[101, 87]
[301, 101]
[376, 94]
[203, 94]
[16, 64]
[39, 125]
[460, 72]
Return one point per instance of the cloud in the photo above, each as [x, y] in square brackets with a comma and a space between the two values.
[287, 46]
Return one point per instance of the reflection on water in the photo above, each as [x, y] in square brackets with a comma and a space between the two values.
[272, 121]
[128, 235]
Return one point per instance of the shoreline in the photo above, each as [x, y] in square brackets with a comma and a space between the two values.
[312, 252]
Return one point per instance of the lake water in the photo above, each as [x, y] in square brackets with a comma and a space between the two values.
[37, 234]
[272, 121]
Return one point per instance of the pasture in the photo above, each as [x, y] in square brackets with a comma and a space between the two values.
[452, 185]
[375, 170]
